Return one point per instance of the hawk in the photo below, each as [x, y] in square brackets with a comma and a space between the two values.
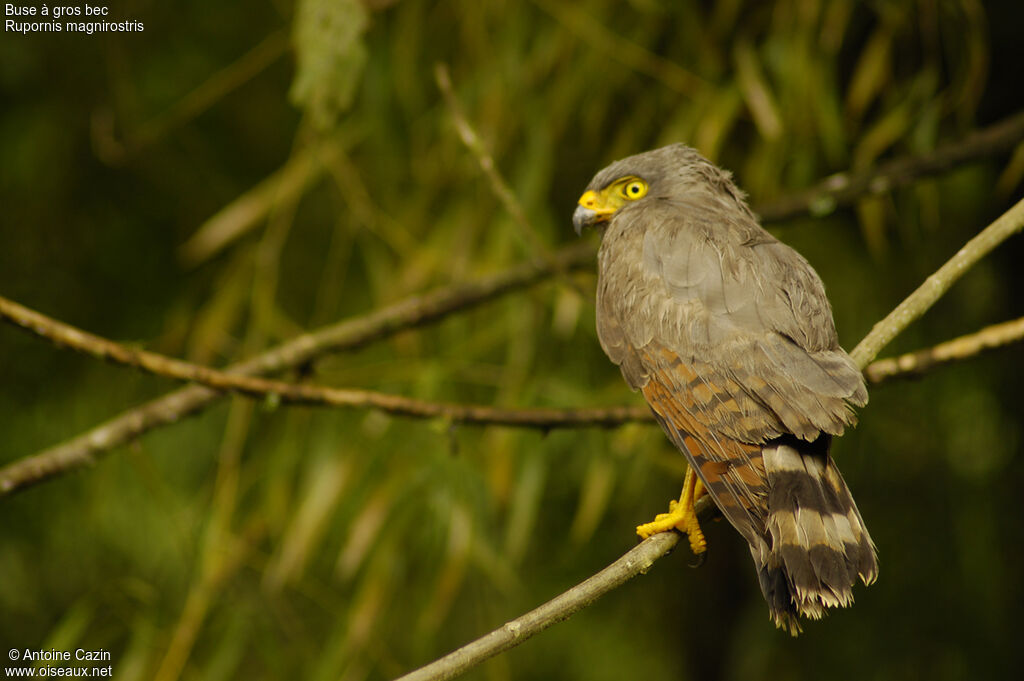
[728, 335]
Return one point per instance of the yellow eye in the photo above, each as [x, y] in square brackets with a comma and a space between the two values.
[634, 189]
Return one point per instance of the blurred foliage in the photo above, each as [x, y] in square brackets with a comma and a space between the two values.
[329, 56]
[257, 541]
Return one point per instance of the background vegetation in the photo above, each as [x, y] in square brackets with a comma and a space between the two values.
[263, 541]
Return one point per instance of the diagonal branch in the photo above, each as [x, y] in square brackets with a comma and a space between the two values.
[65, 335]
[27, 471]
[635, 562]
[412, 312]
[938, 283]
[415, 311]
[845, 188]
[486, 162]
[535, 244]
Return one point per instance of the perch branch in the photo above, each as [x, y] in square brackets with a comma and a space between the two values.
[938, 283]
[964, 347]
[563, 606]
[635, 562]
[845, 188]
[412, 312]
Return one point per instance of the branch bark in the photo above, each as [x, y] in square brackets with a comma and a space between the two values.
[635, 562]
[938, 283]
[961, 348]
[81, 450]
[412, 312]
[62, 334]
[417, 311]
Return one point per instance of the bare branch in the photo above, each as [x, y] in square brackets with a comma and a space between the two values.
[64, 335]
[845, 188]
[483, 157]
[347, 335]
[635, 562]
[415, 311]
[499, 186]
[938, 283]
[964, 347]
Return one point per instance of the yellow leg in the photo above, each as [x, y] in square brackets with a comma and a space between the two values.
[681, 515]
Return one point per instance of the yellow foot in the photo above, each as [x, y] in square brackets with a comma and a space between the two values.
[680, 516]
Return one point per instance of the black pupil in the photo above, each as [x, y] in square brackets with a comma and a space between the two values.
[633, 189]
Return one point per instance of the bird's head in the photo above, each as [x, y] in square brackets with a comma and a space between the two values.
[599, 205]
[669, 173]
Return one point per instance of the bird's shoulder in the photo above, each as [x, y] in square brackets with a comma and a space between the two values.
[721, 263]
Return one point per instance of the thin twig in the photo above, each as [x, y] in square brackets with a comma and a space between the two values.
[483, 157]
[537, 247]
[64, 335]
[188, 107]
[937, 284]
[412, 312]
[963, 347]
[845, 188]
[81, 450]
[619, 48]
[635, 562]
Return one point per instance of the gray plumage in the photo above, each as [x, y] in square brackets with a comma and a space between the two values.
[729, 335]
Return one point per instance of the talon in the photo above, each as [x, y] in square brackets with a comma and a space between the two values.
[681, 516]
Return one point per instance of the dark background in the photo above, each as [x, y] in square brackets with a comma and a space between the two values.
[262, 542]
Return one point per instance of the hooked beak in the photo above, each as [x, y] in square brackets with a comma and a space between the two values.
[590, 211]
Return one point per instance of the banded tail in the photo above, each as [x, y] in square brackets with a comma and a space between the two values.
[816, 545]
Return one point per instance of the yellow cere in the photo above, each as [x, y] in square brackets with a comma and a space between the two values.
[608, 200]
